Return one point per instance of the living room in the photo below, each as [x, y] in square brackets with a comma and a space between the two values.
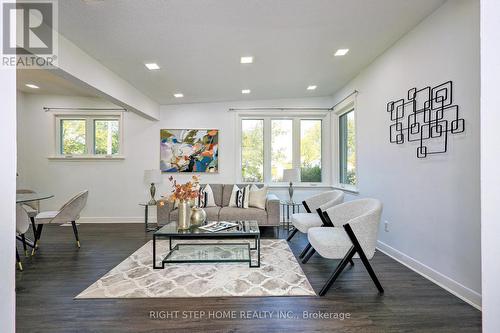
[287, 123]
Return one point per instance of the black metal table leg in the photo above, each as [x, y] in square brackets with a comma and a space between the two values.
[146, 218]
[154, 253]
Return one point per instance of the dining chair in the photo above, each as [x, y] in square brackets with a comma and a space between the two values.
[69, 212]
[354, 234]
[32, 208]
[22, 225]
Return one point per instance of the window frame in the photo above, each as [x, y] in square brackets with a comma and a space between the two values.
[89, 118]
[346, 106]
[267, 116]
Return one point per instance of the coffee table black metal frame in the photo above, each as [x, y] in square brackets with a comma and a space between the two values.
[171, 232]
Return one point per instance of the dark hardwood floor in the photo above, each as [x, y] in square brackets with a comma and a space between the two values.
[50, 281]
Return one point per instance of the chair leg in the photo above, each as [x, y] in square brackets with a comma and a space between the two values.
[309, 255]
[363, 257]
[33, 226]
[337, 271]
[18, 260]
[75, 231]
[23, 238]
[289, 238]
[305, 250]
[37, 238]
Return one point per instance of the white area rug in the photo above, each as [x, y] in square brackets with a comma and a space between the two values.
[278, 275]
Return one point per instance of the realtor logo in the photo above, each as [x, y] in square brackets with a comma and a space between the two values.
[29, 37]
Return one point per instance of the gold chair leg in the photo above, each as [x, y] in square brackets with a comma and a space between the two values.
[78, 243]
[20, 265]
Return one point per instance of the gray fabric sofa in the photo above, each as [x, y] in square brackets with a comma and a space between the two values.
[222, 193]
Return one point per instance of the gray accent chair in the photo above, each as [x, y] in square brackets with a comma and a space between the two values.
[270, 216]
[316, 205]
[69, 212]
[354, 235]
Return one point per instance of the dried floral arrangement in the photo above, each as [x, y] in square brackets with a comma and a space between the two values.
[188, 191]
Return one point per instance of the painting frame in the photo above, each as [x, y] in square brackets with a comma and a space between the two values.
[189, 150]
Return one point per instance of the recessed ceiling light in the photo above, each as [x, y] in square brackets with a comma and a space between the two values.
[32, 86]
[245, 91]
[178, 95]
[152, 66]
[311, 87]
[246, 60]
[341, 52]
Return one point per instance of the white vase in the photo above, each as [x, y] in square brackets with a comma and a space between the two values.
[184, 215]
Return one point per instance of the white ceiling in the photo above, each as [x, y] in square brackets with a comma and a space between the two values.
[49, 83]
[198, 44]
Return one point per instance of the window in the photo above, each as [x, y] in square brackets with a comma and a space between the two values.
[310, 151]
[252, 150]
[281, 147]
[106, 137]
[73, 137]
[347, 148]
[274, 143]
[88, 135]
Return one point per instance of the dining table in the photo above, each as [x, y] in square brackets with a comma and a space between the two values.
[29, 197]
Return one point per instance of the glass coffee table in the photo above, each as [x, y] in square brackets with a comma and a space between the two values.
[210, 248]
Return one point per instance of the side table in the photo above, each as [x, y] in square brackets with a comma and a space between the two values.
[147, 228]
[285, 206]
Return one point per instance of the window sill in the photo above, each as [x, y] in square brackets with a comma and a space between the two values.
[86, 158]
[346, 188]
[296, 186]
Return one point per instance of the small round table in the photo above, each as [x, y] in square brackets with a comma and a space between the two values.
[285, 206]
[146, 206]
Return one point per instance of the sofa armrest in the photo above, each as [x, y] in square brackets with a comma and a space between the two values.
[273, 209]
[163, 209]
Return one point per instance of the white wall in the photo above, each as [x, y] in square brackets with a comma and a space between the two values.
[490, 177]
[7, 199]
[116, 187]
[432, 204]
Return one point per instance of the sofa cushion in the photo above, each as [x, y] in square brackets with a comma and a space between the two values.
[217, 191]
[240, 196]
[206, 197]
[227, 189]
[212, 214]
[257, 197]
[238, 214]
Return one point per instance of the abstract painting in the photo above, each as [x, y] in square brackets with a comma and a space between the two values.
[189, 150]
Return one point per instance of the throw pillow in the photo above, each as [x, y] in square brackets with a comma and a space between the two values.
[239, 197]
[258, 197]
[206, 197]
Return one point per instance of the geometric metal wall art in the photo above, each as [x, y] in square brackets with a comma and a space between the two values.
[427, 116]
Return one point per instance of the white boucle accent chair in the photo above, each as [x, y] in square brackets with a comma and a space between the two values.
[355, 232]
[69, 212]
[315, 206]
[22, 225]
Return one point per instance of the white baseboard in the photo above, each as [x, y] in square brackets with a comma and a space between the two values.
[115, 220]
[466, 294]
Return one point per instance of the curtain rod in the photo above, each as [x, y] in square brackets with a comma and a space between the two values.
[85, 109]
[293, 108]
[279, 108]
[343, 99]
